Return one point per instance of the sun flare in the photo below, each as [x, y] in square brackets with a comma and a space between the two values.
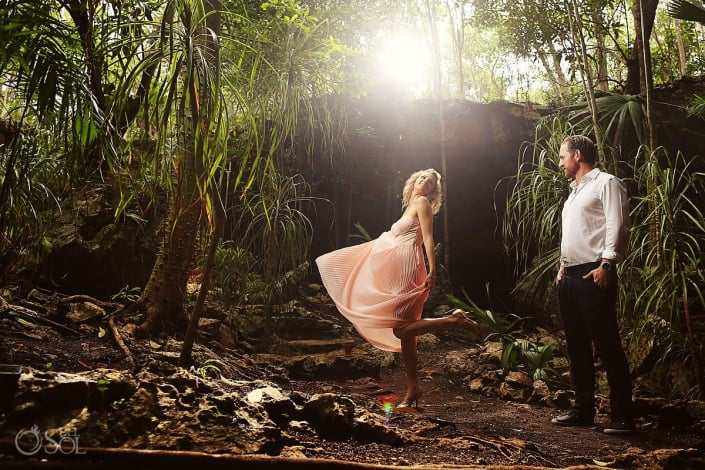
[404, 61]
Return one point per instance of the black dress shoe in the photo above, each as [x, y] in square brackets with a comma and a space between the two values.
[574, 418]
[620, 426]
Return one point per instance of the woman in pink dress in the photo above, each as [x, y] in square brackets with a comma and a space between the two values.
[381, 286]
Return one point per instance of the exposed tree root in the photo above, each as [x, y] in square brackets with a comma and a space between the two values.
[87, 298]
[120, 342]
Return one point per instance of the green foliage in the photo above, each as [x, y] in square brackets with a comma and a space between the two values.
[526, 25]
[667, 239]
[117, 404]
[617, 114]
[128, 294]
[274, 61]
[532, 213]
[697, 107]
[48, 66]
[670, 36]
[362, 233]
[171, 113]
[296, 64]
[210, 366]
[488, 66]
[31, 175]
[235, 274]
[517, 353]
[102, 385]
[538, 360]
[690, 10]
[276, 229]
[672, 359]
[540, 33]
[663, 276]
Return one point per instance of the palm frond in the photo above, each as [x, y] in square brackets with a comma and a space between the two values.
[616, 112]
[697, 106]
[690, 10]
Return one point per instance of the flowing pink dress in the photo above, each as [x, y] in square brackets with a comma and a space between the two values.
[379, 285]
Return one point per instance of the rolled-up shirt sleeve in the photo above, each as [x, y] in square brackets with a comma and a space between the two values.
[616, 207]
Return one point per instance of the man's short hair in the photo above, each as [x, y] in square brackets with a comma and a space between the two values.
[584, 144]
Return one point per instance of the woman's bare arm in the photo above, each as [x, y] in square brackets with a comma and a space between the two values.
[425, 213]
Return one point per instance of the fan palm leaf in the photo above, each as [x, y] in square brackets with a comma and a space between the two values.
[616, 113]
[690, 10]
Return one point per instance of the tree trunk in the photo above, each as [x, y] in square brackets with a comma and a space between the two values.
[210, 45]
[206, 283]
[601, 53]
[554, 73]
[83, 15]
[642, 11]
[562, 80]
[164, 297]
[682, 60]
[457, 31]
[438, 93]
[576, 26]
[646, 23]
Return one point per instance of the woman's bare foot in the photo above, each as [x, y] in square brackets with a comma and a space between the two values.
[463, 321]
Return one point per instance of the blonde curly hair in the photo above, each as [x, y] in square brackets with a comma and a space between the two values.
[435, 197]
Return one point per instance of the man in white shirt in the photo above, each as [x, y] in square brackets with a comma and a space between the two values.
[595, 224]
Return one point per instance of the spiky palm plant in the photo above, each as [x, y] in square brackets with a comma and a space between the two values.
[32, 174]
[277, 228]
[45, 66]
[531, 217]
[697, 107]
[149, 93]
[663, 272]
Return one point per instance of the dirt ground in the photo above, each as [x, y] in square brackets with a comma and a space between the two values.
[456, 427]
[463, 428]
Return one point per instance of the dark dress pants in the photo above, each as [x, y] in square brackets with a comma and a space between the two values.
[589, 316]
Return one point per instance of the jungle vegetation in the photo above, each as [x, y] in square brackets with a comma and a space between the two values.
[198, 113]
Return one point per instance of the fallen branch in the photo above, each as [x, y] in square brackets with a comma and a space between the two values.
[120, 342]
[90, 457]
[25, 312]
[504, 448]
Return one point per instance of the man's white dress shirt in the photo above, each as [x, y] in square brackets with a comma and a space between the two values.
[595, 220]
